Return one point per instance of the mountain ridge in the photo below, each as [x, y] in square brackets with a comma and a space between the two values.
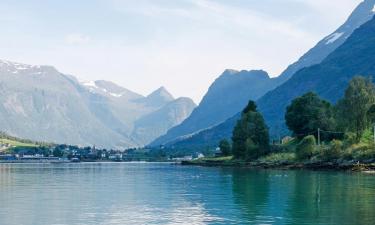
[228, 94]
[40, 103]
[363, 13]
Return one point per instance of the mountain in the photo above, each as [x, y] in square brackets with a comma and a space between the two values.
[158, 122]
[363, 13]
[210, 113]
[42, 104]
[158, 98]
[325, 82]
[226, 96]
[111, 89]
[39, 103]
[329, 79]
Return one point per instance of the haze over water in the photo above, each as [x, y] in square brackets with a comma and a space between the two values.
[144, 193]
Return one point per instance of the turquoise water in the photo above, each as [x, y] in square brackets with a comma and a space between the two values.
[141, 193]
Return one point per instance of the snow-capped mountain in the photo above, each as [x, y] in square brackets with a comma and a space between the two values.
[40, 103]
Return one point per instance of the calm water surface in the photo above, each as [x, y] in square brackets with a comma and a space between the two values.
[140, 193]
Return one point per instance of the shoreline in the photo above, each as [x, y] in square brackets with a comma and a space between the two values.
[348, 166]
[81, 162]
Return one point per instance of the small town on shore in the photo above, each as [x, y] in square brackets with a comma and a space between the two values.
[16, 150]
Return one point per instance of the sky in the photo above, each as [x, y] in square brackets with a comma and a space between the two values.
[183, 45]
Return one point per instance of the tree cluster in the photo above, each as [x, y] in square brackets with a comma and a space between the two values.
[355, 113]
[308, 117]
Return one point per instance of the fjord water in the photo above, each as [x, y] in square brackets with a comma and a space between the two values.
[145, 193]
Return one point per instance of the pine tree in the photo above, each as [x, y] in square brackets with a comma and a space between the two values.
[250, 135]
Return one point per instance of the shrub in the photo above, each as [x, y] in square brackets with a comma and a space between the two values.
[349, 139]
[277, 158]
[363, 152]
[278, 148]
[367, 137]
[225, 147]
[333, 151]
[305, 149]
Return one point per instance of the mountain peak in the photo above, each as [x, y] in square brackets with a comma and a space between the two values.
[226, 96]
[161, 92]
[233, 77]
[230, 72]
[159, 97]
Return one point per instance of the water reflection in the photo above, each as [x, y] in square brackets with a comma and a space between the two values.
[304, 197]
[111, 194]
[332, 198]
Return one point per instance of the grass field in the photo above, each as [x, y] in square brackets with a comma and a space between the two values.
[14, 143]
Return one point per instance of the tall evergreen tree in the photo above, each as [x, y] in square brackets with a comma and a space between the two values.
[250, 135]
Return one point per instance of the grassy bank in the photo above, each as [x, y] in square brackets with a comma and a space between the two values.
[16, 143]
[337, 156]
[284, 161]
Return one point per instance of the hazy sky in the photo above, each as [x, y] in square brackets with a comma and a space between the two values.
[180, 44]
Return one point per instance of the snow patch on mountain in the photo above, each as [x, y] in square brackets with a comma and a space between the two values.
[92, 87]
[90, 84]
[373, 9]
[334, 37]
[15, 68]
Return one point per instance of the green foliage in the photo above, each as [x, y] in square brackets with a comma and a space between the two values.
[239, 140]
[360, 152]
[333, 151]
[278, 158]
[253, 151]
[371, 114]
[367, 137]
[305, 149]
[57, 152]
[308, 113]
[251, 107]
[250, 136]
[15, 141]
[225, 147]
[30, 150]
[355, 110]
[349, 139]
